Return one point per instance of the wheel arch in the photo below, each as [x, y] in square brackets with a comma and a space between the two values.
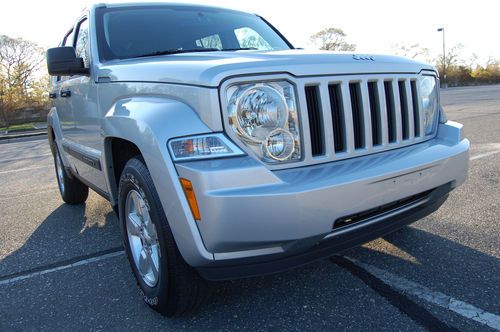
[143, 126]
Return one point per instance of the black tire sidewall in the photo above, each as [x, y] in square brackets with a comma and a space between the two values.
[58, 156]
[75, 192]
[132, 179]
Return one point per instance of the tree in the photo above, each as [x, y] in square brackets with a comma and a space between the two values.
[451, 60]
[332, 39]
[411, 51]
[457, 72]
[21, 81]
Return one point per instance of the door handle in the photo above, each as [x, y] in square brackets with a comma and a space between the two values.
[65, 93]
[53, 95]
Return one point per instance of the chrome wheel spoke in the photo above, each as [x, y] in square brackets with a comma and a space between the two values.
[154, 266]
[150, 228]
[144, 262]
[59, 171]
[134, 224]
[138, 205]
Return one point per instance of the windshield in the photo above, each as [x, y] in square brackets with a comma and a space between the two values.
[129, 32]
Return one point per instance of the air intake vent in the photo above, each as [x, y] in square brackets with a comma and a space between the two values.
[391, 116]
[337, 117]
[375, 113]
[357, 115]
[403, 101]
[414, 100]
[315, 120]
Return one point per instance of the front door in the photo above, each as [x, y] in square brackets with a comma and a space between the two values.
[83, 141]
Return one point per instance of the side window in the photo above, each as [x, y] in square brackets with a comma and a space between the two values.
[68, 39]
[82, 42]
[249, 38]
[212, 41]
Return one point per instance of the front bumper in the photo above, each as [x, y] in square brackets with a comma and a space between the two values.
[343, 239]
[249, 212]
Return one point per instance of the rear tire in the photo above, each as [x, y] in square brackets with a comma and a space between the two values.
[168, 284]
[72, 190]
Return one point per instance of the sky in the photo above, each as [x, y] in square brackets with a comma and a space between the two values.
[372, 25]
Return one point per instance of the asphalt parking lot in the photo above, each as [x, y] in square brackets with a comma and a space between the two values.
[63, 267]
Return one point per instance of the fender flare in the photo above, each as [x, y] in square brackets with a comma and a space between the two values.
[149, 123]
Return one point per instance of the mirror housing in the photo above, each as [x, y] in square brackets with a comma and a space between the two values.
[62, 61]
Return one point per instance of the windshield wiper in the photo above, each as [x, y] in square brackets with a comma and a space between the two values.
[176, 51]
[195, 50]
[240, 49]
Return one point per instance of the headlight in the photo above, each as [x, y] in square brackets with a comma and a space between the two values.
[430, 104]
[264, 116]
[202, 147]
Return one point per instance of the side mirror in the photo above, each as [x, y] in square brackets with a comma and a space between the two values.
[62, 61]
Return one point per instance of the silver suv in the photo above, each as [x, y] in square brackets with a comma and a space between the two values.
[228, 153]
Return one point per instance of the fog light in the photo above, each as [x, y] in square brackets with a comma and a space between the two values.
[279, 144]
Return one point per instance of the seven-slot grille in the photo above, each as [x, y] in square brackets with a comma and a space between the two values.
[350, 116]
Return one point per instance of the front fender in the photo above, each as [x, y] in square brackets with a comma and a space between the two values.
[149, 122]
[54, 124]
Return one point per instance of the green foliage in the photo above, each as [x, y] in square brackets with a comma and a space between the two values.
[458, 72]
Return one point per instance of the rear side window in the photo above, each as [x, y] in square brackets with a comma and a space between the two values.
[82, 42]
[249, 38]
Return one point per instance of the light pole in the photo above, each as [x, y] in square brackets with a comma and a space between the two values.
[445, 85]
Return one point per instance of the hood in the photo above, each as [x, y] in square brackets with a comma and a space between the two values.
[211, 68]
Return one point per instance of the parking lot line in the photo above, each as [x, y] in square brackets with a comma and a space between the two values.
[25, 169]
[58, 267]
[25, 158]
[440, 299]
[483, 155]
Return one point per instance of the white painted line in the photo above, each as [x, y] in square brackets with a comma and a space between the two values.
[483, 155]
[409, 287]
[24, 169]
[63, 267]
[25, 158]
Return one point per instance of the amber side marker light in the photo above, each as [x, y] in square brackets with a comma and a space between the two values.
[187, 186]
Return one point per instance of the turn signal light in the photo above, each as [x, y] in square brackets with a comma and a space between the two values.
[187, 186]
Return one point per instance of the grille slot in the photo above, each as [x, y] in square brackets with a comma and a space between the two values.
[338, 120]
[391, 116]
[416, 112]
[315, 120]
[403, 101]
[375, 113]
[357, 115]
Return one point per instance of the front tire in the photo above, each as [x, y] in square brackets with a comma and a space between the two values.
[168, 284]
[72, 190]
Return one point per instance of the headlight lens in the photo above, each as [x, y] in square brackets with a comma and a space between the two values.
[264, 116]
[430, 104]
